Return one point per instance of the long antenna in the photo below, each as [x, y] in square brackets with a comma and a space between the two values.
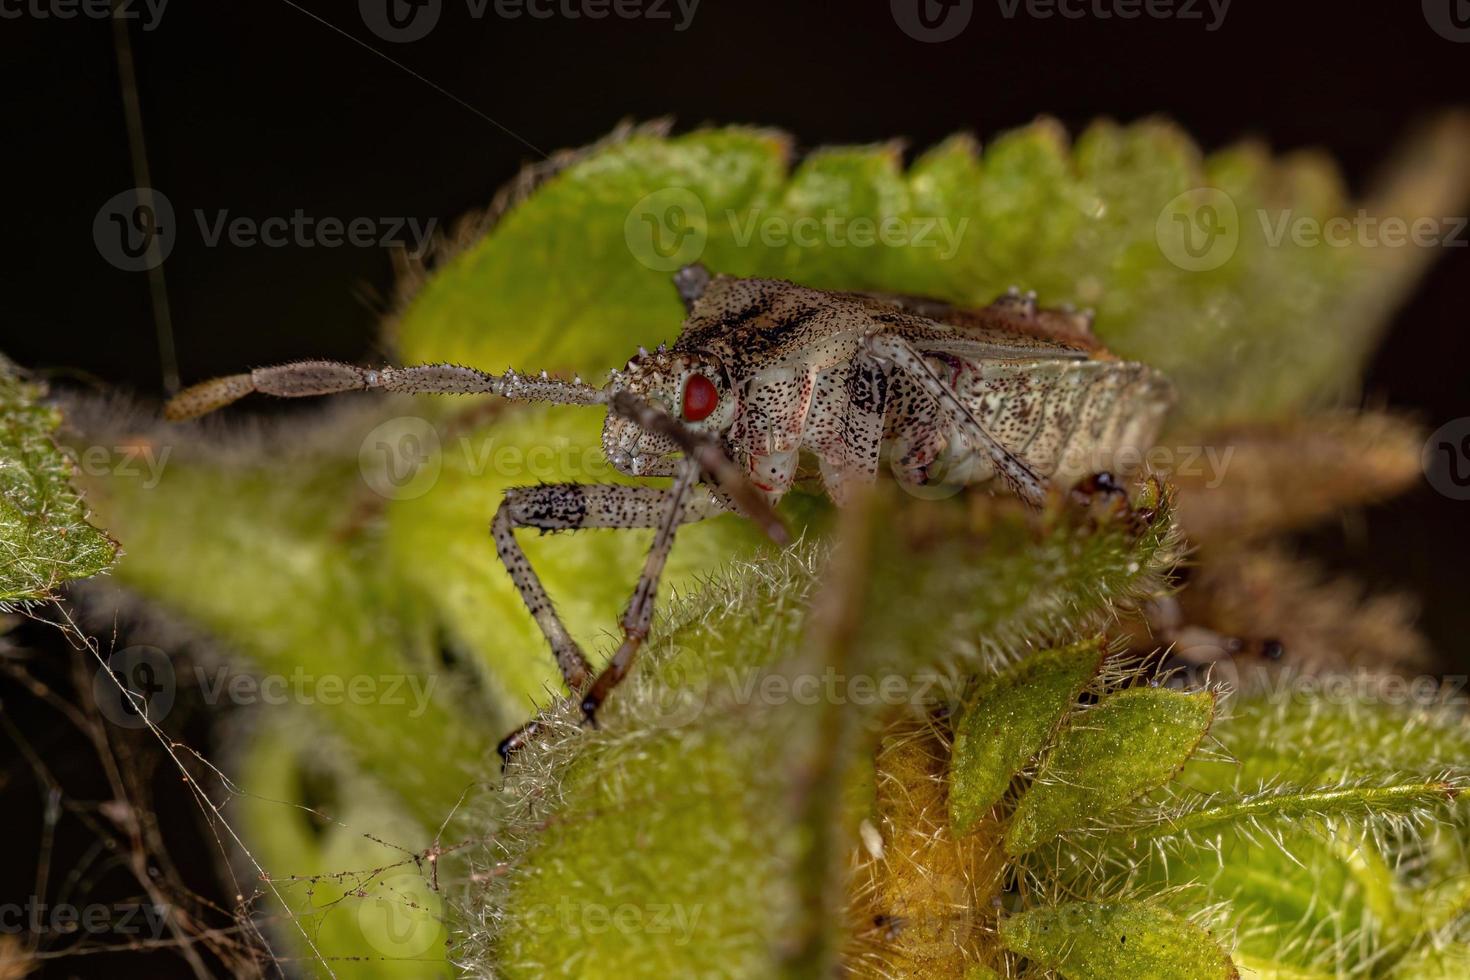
[306, 379]
[168, 361]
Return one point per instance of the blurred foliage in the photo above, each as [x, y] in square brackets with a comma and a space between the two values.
[710, 824]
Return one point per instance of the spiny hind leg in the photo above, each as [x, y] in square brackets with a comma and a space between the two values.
[903, 356]
[638, 616]
[570, 507]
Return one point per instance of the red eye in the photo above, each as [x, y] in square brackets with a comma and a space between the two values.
[700, 397]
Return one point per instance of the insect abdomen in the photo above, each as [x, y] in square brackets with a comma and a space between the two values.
[1069, 419]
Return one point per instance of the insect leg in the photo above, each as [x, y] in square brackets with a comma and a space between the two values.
[569, 507]
[569, 657]
[638, 617]
[901, 354]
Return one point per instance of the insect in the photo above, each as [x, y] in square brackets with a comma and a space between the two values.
[769, 382]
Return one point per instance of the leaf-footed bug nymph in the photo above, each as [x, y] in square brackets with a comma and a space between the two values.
[767, 377]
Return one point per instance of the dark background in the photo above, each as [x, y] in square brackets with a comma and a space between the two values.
[261, 109]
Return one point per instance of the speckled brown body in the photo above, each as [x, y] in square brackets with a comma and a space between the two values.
[806, 386]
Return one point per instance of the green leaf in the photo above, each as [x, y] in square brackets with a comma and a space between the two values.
[1325, 728]
[1008, 720]
[1105, 941]
[45, 538]
[1307, 822]
[1131, 742]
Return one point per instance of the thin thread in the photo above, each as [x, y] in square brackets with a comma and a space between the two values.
[168, 361]
[429, 82]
